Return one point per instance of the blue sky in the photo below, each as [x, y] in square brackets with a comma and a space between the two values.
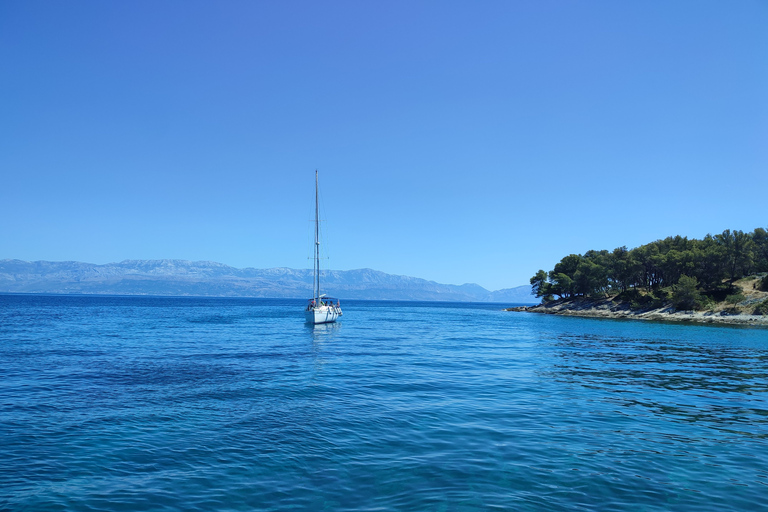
[456, 141]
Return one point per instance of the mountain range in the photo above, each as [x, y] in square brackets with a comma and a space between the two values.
[207, 278]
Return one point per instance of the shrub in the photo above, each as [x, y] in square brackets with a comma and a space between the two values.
[629, 295]
[640, 301]
[650, 301]
[761, 308]
[706, 302]
[763, 285]
[735, 298]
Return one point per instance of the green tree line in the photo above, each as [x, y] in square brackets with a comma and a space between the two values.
[710, 264]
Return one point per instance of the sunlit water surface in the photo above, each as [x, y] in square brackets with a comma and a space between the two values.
[235, 404]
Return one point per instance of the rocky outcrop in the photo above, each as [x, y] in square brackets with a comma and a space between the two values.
[611, 308]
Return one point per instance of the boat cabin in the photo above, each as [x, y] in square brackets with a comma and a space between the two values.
[324, 301]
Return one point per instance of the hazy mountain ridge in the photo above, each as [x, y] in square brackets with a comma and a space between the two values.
[208, 278]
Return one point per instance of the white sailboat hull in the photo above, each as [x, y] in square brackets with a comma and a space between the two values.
[323, 314]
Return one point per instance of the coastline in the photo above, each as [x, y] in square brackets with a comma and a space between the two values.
[611, 309]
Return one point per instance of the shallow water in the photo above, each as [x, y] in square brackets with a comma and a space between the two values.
[129, 403]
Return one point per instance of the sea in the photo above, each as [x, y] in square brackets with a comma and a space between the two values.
[235, 404]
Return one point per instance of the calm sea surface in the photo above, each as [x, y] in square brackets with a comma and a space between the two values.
[235, 404]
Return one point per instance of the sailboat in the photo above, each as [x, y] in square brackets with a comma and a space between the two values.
[320, 309]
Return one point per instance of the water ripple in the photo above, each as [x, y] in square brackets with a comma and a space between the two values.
[233, 404]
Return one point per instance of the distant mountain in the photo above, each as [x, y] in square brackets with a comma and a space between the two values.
[207, 278]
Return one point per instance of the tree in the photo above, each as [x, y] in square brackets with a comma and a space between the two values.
[562, 285]
[709, 259]
[590, 278]
[685, 294]
[539, 285]
[737, 247]
[624, 269]
[647, 257]
[568, 265]
[760, 241]
[729, 255]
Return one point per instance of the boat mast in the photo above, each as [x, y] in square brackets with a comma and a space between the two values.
[317, 243]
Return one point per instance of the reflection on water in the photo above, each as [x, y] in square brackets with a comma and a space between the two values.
[323, 333]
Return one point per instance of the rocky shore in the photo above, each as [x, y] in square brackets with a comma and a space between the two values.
[607, 308]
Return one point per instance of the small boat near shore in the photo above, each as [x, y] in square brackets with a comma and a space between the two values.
[320, 309]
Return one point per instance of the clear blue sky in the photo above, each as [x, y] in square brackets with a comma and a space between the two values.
[456, 141]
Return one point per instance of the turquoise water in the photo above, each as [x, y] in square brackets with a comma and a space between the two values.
[236, 404]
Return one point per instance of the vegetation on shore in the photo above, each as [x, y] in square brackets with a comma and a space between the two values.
[676, 272]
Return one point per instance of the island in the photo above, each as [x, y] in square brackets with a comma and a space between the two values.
[721, 278]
